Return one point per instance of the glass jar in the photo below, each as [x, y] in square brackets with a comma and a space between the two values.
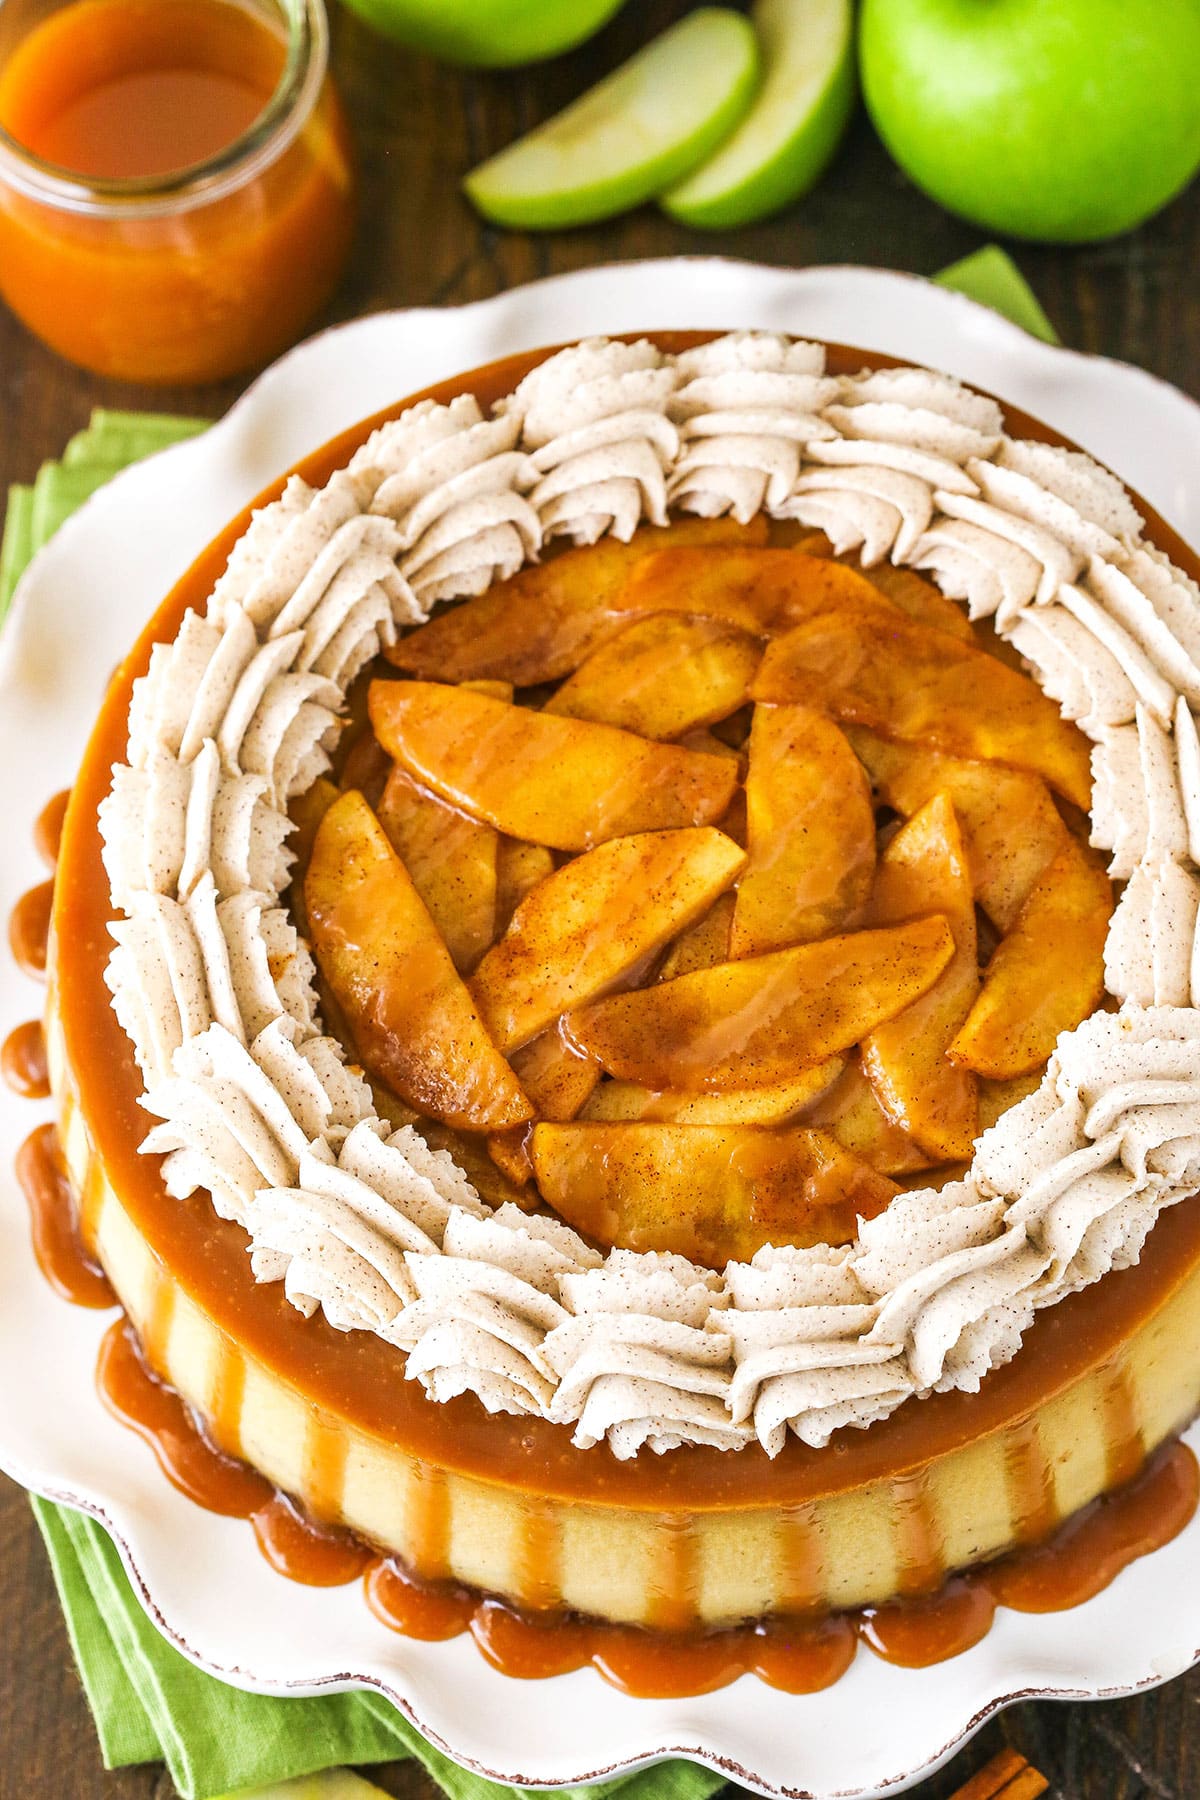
[197, 274]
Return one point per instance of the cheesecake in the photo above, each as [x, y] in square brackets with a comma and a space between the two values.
[623, 997]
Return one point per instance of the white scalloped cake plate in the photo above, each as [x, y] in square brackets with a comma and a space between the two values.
[201, 1577]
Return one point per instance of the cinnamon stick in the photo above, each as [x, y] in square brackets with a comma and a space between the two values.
[1009, 1776]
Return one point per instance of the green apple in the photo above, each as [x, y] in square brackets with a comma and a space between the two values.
[1059, 120]
[632, 135]
[795, 125]
[488, 34]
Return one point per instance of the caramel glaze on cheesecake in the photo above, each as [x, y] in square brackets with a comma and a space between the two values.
[508, 1507]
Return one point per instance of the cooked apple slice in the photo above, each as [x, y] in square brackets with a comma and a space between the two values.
[811, 833]
[702, 944]
[451, 861]
[662, 676]
[920, 599]
[745, 1024]
[908, 681]
[415, 1026]
[557, 1077]
[772, 1105]
[709, 742]
[594, 919]
[1046, 974]
[509, 1150]
[713, 1193]
[924, 869]
[306, 812]
[760, 591]
[541, 623]
[519, 868]
[1011, 828]
[566, 783]
[852, 1113]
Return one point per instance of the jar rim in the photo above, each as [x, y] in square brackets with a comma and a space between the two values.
[197, 184]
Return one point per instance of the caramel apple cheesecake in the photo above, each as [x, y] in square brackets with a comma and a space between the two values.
[624, 983]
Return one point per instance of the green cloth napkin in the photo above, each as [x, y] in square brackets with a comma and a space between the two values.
[149, 1703]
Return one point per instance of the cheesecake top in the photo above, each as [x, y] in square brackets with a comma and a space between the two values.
[257, 1104]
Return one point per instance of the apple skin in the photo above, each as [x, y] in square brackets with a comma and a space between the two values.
[488, 34]
[795, 126]
[637, 132]
[1062, 121]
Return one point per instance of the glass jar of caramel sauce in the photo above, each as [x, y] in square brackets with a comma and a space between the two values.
[176, 183]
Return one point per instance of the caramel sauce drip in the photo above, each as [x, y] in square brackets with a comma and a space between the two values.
[803, 1655]
[919, 1548]
[798, 1654]
[1031, 1486]
[325, 1452]
[29, 929]
[429, 1522]
[1122, 1429]
[48, 828]
[802, 1559]
[228, 1395]
[414, 1608]
[190, 1462]
[54, 1222]
[539, 1557]
[931, 1629]
[675, 1586]
[23, 1061]
[317, 1555]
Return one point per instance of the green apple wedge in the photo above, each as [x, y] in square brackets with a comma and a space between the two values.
[488, 34]
[637, 132]
[796, 123]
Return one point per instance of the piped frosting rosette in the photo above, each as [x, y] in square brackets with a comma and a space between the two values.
[899, 437]
[453, 484]
[593, 420]
[747, 406]
[215, 989]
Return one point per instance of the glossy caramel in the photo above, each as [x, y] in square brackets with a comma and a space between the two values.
[23, 1061]
[58, 1242]
[29, 929]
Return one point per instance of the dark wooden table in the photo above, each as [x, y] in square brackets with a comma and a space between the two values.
[419, 127]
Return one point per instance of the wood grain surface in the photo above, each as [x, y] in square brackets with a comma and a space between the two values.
[419, 127]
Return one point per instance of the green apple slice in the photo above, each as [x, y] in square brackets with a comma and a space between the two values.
[794, 126]
[637, 132]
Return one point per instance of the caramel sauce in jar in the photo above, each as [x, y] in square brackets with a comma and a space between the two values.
[176, 182]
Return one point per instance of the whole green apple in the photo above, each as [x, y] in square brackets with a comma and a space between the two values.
[488, 34]
[1059, 120]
